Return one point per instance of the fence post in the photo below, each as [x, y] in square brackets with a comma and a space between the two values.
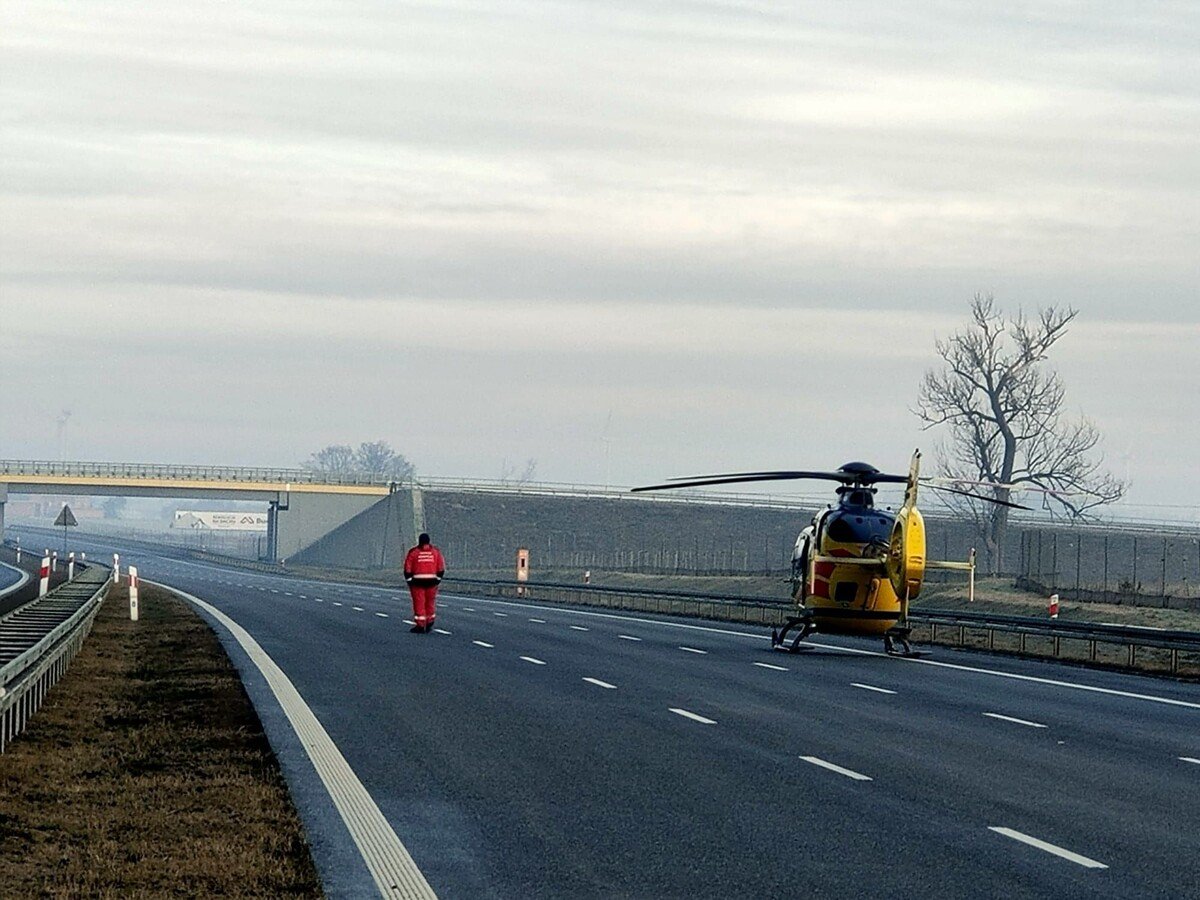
[1164, 568]
[1106, 562]
[1135, 581]
[1079, 557]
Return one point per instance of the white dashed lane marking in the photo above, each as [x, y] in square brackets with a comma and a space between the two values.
[483, 644]
[1189, 759]
[871, 687]
[578, 628]
[598, 683]
[337, 602]
[468, 609]
[628, 637]
[382, 615]
[536, 662]
[539, 621]
[857, 776]
[501, 615]
[691, 715]
[771, 667]
[1015, 721]
[440, 631]
[1049, 848]
[357, 608]
[693, 650]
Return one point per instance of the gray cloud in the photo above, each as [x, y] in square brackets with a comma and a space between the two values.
[231, 184]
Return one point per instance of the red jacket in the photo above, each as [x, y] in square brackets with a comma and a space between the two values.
[424, 564]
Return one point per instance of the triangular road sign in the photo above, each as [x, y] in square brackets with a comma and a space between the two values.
[66, 518]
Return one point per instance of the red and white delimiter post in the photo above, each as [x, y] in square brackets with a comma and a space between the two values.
[44, 582]
[133, 594]
[1054, 606]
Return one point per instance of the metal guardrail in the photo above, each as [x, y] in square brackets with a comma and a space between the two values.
[767, 611]
[38, 642]
[1132, 637]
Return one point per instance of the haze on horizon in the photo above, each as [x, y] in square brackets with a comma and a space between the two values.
[627, 241]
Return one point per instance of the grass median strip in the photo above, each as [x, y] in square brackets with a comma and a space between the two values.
[147, 773]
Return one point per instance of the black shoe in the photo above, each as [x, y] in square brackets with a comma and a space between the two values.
[429, 628]
[417, 629]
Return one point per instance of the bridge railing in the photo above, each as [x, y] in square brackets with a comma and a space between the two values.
[162, 471]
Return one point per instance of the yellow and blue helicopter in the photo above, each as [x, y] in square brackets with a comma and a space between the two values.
[855, 568]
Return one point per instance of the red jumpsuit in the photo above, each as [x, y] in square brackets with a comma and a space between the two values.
[423, 570]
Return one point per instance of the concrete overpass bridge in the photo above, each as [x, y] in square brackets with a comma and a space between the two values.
[304, 506]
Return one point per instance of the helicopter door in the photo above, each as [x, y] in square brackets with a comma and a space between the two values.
[800, 558]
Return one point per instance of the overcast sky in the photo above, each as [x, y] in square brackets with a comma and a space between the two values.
[701, 235]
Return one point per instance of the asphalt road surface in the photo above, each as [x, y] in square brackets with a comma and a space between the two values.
[532, 750]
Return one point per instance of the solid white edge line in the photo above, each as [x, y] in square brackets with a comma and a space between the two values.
[1053, 682]
[1049, 848]
[687, 714]
[871, 687]
[849, 773]
[535, 661]
[388, 860]
[1016, 721]
[21, 582]
[598, 683]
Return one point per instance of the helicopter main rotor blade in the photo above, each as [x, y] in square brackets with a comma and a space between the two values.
[748, 477]
[790, 474]
[940, 487]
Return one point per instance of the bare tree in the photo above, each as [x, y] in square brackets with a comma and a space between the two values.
[1003, 406]
[508, 472]
[377, 458]
[336, 459]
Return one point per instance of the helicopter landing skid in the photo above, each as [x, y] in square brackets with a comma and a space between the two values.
[896, 643]
[779, 637]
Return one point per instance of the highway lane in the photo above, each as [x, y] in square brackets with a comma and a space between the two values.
[550, 763]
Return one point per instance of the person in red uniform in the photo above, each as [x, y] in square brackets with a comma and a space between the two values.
[423, 570]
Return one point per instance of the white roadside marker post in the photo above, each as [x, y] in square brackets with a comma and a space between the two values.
[71, 565]
[18, 550]
[54, 561]
[133, 594]
[44, 575]
[116, 568]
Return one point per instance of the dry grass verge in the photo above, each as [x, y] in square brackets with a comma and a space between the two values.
[147, 774]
